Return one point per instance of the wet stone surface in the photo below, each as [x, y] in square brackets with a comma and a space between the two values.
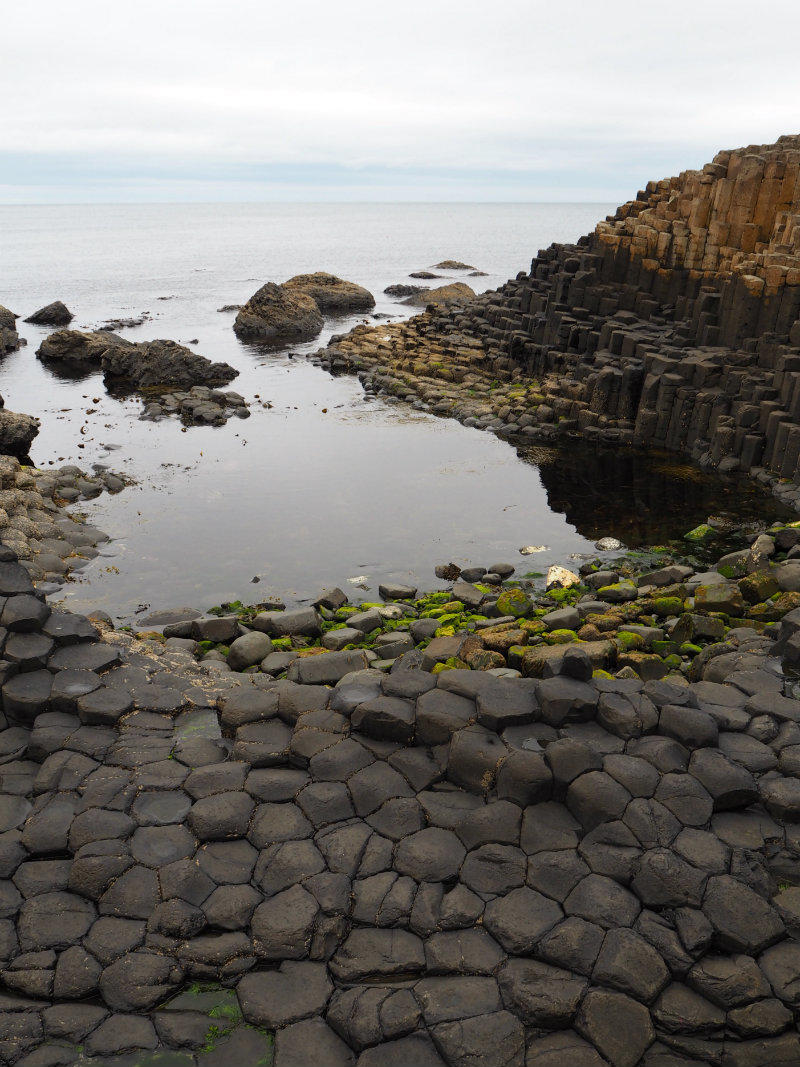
[206, 867]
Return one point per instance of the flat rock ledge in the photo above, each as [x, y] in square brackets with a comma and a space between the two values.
[390, 867]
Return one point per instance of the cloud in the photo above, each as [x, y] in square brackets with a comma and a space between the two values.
[528, 96]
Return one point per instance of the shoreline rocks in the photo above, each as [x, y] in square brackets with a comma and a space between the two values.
[420, 863]
[676, 325]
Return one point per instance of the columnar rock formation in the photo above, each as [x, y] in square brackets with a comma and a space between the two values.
[675, 325]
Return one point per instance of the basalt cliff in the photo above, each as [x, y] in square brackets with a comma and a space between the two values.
[675, 324]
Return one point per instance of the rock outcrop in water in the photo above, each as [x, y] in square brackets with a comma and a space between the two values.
[55, 314]
[676, 325]
[9, 338]
[144, 365]
[332, 295]
[274, 314]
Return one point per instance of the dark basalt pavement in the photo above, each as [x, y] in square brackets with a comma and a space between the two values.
[191, 862]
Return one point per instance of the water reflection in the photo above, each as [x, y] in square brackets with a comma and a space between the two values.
[642, 497]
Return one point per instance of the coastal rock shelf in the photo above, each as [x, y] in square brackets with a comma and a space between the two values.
[411, 865]
[676, 325]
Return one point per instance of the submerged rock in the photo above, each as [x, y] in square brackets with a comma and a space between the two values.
[332, 295]
[277, 314]
[55, 314]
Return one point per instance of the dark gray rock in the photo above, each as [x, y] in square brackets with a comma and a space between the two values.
[618, 1027]
[377, 954]
[295, 991]
[430, 855]
[520, 919]
[540, 995]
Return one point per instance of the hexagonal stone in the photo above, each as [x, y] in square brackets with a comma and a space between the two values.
[25, 696]
[563, 1049]
[729, 784]
[230, 907]
[548, 827]
[139, 981]
[133, 895]
[524, 778]
[742, 920]
[160, 808]
[781, 798]
[595, 797]
[158, 846]
[377, 954]
[630, 965]
[440, 714]
[310, 1041]
[686, 798]
[456, 997]
[263, 744]
[618, 1027]
[278, 822]
[472, 951]
[286, 863]
[541, 995]
[325, 802]
[375, 784]
[283, 925]
[222, 816]
[121, 1033]
[494, 868]
[664, 880]
[430, 855]
[556, 873]
[416, 1048]
[97, 657]
[729, 982]
[493, 1040]
[573, 944]
[386, 718]
[277, 998]
[679, 1010]
[781, 965]
[53, 920]
[602, 901]
[24, 612]
[520, 919]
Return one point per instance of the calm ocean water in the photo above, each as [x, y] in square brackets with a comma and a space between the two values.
[294, 497]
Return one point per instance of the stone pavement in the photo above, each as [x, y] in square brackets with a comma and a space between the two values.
[406, 868]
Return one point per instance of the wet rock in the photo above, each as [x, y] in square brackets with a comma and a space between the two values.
[55, 314]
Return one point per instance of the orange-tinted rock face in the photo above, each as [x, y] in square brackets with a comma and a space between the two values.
[738, 215]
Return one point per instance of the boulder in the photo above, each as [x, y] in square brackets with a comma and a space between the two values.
[55, 314]
[278, 314]
[162, 363]
[16, 433]
[332, 295]
[445, 296]
[9, 338]
[74, 346]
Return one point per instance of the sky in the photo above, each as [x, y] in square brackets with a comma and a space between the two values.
[249, 100]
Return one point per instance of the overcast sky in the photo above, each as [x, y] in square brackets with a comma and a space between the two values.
[250, 100]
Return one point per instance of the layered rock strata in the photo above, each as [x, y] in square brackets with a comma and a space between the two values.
[406, 867]
[675, 325]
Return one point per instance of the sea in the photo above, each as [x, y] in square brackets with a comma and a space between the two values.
[322, 485]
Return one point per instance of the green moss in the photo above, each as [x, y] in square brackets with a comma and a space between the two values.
[282, 644]
[560, 637]
[628, 642]
[689, 649]
[700, 534]
[665, 606]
